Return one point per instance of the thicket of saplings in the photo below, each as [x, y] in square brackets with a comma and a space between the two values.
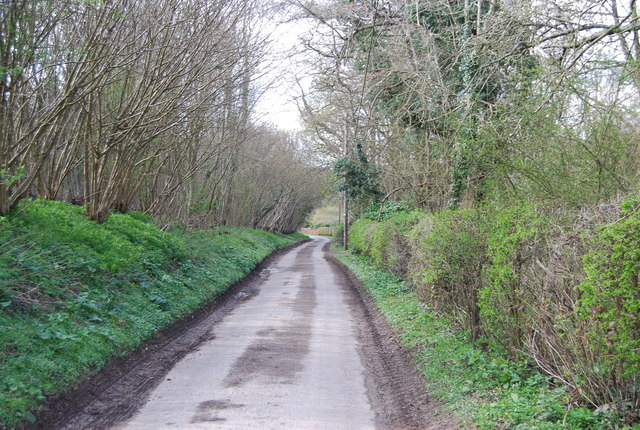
[556, 287]
[145, 105]
[76, 293]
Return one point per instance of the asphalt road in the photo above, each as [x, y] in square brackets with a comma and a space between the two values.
[287, 357]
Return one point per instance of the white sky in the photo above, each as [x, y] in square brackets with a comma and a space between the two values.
[277, 105]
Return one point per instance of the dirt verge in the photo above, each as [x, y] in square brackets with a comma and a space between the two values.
[394, 385]
[122, 386]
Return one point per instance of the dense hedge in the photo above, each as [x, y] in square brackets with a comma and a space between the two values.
[558, 288]
[75, 293]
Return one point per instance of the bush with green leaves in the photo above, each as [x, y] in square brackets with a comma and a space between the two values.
[386, 242]
[507, 306]
[487, 390]
[338, 235]
[382, 211]
[610, 299]
[555, 287]
[360, 236]
[448, 257]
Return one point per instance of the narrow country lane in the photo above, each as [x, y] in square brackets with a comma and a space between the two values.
[285, 358]
[299, 346]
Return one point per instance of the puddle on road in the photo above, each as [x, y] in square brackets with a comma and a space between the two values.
[268, 271]
[207, 411]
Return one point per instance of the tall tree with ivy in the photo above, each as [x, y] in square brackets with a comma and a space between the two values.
[358, 178]
[435, 70]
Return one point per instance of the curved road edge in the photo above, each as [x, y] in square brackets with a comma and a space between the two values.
[394, 384]
[120, 387]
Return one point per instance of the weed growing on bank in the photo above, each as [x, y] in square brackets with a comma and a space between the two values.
[491, 390]
[74, 294]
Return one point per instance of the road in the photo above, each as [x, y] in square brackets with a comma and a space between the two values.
[286, 358]
[297, 345]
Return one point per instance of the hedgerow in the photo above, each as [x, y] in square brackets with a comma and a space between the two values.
[481, 386]
[554, 288]
[610, 302]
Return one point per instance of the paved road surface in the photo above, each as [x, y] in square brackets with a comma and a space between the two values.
[285, 358]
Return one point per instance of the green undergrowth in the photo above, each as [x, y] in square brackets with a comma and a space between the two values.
[74, 294]
[485, 389]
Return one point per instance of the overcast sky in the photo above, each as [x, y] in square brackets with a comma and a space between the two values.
[277, 105]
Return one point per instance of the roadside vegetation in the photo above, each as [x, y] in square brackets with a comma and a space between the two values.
[150, 106]
[126, 108]
[533, 312]
[76, 293]
[488, 152]
[480, 385]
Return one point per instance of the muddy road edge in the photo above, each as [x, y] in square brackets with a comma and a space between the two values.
[394, 385]
[122, 385]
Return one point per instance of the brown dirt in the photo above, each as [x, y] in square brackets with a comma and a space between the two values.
[290, 344]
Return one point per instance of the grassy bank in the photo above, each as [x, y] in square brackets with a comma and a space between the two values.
[490, 391]
[74, 294]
